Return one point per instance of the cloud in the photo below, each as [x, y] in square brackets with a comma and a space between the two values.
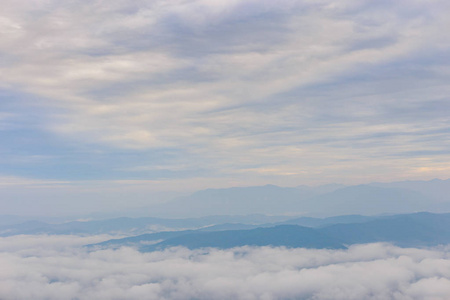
[311, 89]
[18, 181]
[47, 267]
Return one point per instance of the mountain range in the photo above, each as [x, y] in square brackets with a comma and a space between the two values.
[129, 226]
[406, 230]
[321, 201]
[259, 205]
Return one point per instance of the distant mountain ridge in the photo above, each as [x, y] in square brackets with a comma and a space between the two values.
[256, 205]
[322, 201]
[292, 236]
[409, 230]
[437, 189]
[129, 226]
[368, 200]
[268, 199]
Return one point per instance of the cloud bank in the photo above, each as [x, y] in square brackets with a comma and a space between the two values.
[48, 267]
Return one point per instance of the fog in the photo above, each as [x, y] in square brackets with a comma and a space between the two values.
[50, 267]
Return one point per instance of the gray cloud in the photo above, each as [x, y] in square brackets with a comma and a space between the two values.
[288, 92]
[47, 267]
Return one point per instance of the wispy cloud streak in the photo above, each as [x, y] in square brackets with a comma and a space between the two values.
[292, 91]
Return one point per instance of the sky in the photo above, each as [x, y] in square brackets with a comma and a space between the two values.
[116, 102]
[56, 267]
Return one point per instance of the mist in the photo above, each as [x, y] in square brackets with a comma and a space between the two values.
[58, 267]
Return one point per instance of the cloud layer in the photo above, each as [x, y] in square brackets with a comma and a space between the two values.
[48, 267]
[248, 87]
[217, 93]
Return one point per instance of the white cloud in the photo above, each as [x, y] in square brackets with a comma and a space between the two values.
[21, 181]
[223, 79]
[47, 267]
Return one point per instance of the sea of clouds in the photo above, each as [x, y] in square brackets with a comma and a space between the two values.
[58, 267]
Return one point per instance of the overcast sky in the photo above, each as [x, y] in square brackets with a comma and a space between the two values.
[129, 98]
